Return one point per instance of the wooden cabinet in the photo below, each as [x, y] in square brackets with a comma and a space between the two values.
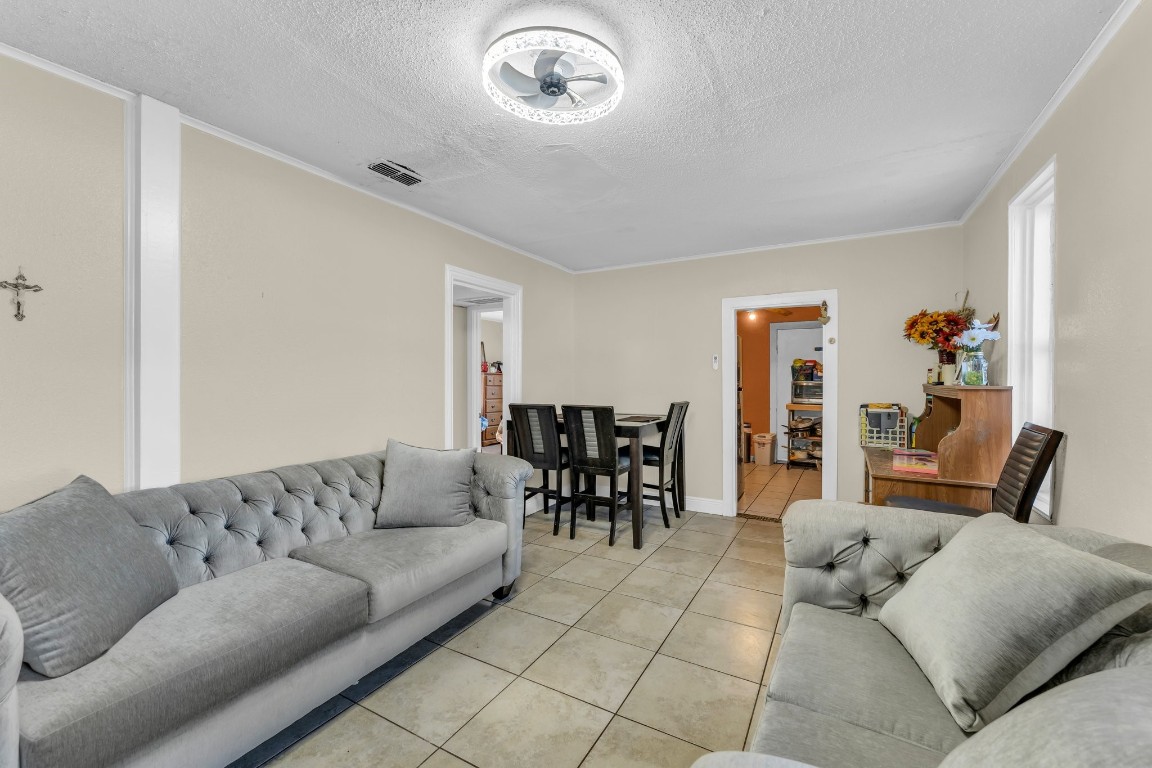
[492, 394]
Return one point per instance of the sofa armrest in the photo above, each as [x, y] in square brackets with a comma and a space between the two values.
[854, 557]
[746, 760]
[11, 657]
[498, 494]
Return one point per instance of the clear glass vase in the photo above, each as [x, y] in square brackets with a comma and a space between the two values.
[974, 370]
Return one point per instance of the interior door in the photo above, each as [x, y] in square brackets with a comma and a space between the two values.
[791, 343]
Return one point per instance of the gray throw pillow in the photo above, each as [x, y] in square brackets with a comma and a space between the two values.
[1101, 719]
[1001, 609]
[1138, 556]
[80, 573]
[425, 487]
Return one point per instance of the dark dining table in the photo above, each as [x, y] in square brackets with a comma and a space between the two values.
[635, 427]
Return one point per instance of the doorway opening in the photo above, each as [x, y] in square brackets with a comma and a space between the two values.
[779, 379]
[482, 363]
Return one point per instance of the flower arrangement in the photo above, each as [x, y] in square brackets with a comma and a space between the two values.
[937, 330]
[972, 339]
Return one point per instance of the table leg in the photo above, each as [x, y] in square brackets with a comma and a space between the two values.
[636, 489]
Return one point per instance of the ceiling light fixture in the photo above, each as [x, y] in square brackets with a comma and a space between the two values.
[574, 79]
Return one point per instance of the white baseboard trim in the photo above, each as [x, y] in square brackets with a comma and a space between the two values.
[700, 504]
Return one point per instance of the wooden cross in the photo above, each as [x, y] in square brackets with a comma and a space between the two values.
[19, 287]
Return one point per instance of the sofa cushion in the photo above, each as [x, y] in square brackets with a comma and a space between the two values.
[1001, 609]
[426, 487]
[402, 565]
[1102, 719]
[198, 650]
[853, 669]
[80, 573]
[1115, 650]
[1138, 556]
[800, 734]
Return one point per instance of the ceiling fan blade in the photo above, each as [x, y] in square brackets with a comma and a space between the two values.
[576, 100]
[546, 63]
[595, 77]
[518, 81]
[539, 100]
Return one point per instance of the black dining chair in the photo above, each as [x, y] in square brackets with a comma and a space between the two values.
[593, 452]
[1019, 482]
[663, 457]
[537, 441]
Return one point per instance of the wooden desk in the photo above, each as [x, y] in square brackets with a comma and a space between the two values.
[970, 429]
[881, 481]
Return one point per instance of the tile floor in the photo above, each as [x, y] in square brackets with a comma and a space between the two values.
[602, 657]
[769, 489]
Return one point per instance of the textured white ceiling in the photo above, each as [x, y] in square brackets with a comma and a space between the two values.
[744, 123]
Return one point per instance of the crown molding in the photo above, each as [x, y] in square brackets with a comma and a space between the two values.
[64, 72]
[1107, 33]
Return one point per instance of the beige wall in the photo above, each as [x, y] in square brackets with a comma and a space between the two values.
[649, 333]
[1101, 137]
[62, 219]
[314, 317]
[492, 334]
[460, 376]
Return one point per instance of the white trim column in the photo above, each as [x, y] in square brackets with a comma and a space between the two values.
[152, 295]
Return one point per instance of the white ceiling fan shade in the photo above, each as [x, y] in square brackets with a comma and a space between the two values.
[593, 68]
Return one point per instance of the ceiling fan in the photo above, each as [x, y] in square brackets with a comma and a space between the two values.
[553, 75]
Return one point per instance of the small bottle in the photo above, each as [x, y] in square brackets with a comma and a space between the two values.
[931, 375]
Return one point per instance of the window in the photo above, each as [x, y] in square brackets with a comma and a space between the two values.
[1031, 329]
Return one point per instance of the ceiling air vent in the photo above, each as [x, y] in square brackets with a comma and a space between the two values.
[396, 172]
[484, 300]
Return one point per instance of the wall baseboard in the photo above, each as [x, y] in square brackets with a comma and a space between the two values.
[701, 504]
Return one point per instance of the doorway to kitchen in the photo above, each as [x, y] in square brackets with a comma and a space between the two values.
[779, 379]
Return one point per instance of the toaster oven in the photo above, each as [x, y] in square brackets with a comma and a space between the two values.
[808, 392]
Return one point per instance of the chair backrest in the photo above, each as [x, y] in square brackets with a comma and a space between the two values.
[537, 437]
[591, 431]
[670, 438]
[1024, 471]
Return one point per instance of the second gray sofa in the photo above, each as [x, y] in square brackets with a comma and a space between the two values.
[287, 596]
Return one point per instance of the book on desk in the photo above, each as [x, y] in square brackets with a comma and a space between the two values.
[915, 460]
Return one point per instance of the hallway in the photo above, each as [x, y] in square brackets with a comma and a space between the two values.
[768, 490]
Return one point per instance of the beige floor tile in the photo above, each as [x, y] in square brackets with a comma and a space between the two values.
[764, 505]
[508, 639]
[682, 561]
[743, 606]
[543, 560]
[585, 537]
[357, 739]
[761, 531]
[632, 620]
[771, 663]
[692, 703]
[590, 571]
[528, 726]
[662, 587]
[444, 759]
[558, 600]
[715, 524]
[734, 649]
[595, 669]
[437, 696]
[708, 543]
[768, 552]
[626, 744]
[686, 516]
[622, 552]
[742, 573]
[755, 722]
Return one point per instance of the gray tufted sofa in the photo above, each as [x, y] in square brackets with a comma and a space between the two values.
[844, 692]
[288, 595]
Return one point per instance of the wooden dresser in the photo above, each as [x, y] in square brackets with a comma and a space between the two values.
[970, 429]
[492, 394]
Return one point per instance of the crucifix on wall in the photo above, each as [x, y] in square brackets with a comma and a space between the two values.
[19, 287]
